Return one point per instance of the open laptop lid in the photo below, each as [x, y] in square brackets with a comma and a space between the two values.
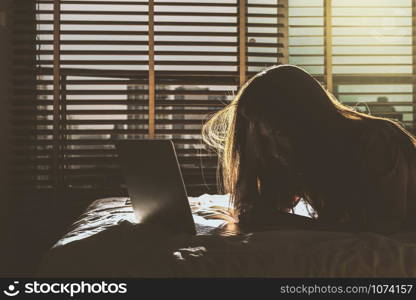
[155, 185]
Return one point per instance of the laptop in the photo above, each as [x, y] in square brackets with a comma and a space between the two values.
[157, 191]
[155, 184]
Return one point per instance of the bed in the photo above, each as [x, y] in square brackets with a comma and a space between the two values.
[106, 242]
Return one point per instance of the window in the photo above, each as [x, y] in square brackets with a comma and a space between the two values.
[106, 70]
[88, 72]
[362, 50]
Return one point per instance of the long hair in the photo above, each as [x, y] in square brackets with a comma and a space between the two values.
[282, 100]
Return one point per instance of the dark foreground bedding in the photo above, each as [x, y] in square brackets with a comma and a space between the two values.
[106, 242]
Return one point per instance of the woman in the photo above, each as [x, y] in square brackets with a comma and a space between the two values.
[284, 138]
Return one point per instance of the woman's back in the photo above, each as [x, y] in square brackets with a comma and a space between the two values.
[392, 153]
[381, 190]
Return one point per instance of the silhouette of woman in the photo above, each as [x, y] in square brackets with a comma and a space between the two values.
[284, 138]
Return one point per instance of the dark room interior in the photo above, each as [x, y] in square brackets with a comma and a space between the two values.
[273, 109]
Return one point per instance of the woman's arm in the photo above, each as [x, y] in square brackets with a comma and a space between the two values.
[384, 177]
[263, 218]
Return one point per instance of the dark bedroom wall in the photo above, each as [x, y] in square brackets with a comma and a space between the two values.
[5, 59]
[32, 221]
[5, 77]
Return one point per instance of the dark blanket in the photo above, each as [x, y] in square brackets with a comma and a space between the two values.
[106, 242]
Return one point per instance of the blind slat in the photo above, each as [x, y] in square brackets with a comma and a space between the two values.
[106, 81]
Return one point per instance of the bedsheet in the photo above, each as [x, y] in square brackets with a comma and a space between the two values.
[106, 242]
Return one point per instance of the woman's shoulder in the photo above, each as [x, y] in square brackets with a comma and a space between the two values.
[380, 131]
[383, 143]
[378, 128]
